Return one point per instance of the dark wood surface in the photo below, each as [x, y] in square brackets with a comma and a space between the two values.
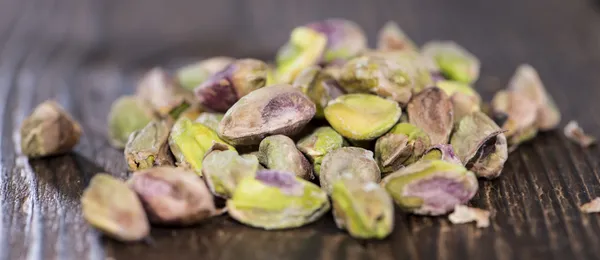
[85, 53]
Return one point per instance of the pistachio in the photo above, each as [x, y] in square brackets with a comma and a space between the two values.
[162, 93]
[431, 187]
[463, 214]
[49, 130]
[432, 111]
[305, 48]
[173, 196]
[320, 142]
[110, 206]
[577, 135]
[210, 120]
[345, 39]
[127, 115]
[277, 200]
[412, 63]
[223, 170]
[277, 109]
[223, 89]
[401, 146]
[190, 76]
[391, 37]
[518, 114]
[481, 145]
[351, 162]
[149, 146]
[454, 61]
[363, 208]
[465, 99]
[444, 152]
[190, 141]
[319, 86]
[362, 116]
[279, 152]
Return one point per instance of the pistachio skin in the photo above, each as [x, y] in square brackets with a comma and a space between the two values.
[320, 142]
[444, 152]
[279, 152]
[432, 111]
[348, 162]
[401, 146]
[127, 115]
[149, 146]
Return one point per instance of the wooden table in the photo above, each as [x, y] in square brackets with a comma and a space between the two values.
[86, 53]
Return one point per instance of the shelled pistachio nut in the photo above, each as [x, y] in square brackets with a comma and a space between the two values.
[517, 114]
[454, 61]
[345, 39]
[149, 146]
[465, 100]
[444, 152]
[163, 94]
[391, 37]
[432, 111]
[224, 169]
[305, 48]
[401, 146]
[319, 86]
[127, 115]
[348, 162]
[279, 152]
[210, 120]
[320, 142]
[192, 75]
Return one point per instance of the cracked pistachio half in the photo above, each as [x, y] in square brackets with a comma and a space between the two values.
[320, 142]
[401, 146]
[432, 111]
[149, 146]
[279, 152]
[348, 162]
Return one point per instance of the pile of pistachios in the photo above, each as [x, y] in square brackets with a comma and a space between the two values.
[331, 124]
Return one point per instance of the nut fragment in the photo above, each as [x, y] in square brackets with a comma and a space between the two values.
[162, 93]
[223, 170]
[350, 162]
[277, 109]
[49, 130]
[224, 88]
[592, 206]
[110, 206]
[279, 152]
[391, 37]
[577, 135]
[345, 39]
[454, 61]
[431, 187]
[481, 145]
[463, 214]
[401, 146]
[190, 141]
[465, 99]
[210, 120]
[190, 76]
[364, 209]
[443, 152]
[432, 111]
[127, 115]
[362, 116]
[517, 116]
[320, 142]
[305, 48]
[149, 147]
[173, 196]
[319, 86]
[277, 200]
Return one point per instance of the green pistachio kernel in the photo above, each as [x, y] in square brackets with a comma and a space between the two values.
[278, 152]
[210, 120]
[223, 170]
[443, 152]
[391, 38]
[401, 146]
[163, 94]
[190, 76]
[363, 208]
[454, 61]
[127, 115]
[431, 187]
[465, 100]
[362, 116]
[351, 162]
[305, 48]
[320, 142]
[149, 146]
[190, 141]
[319, 86]
[277, 200]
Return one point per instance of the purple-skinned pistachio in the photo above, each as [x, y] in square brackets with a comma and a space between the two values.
[173, 196]
[163, 94]
[345, 39]
[149, 146]
[401, 146]
[432, 111]
[305, 48]
[277, 109]
[391, 38]
[219, 92]
[190, 76]
[319, 86]
[431, 187]
[481, 145]
[454, 61]
[348, 162]
[443, 152]
[279, 152]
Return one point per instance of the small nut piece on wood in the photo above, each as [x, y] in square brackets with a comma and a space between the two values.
[463, 214]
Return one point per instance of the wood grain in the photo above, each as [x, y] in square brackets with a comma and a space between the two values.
[86, 53]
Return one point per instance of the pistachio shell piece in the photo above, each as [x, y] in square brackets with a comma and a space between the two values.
[444, 152]
[401, 146]
[576, 134]
[305, 48]
[465, 100]
[223, 170]
[362, 116]
[431, 187]
[279, 152]
[345, 39]
[162, 93]
[519, 114]
[480, 145]
[149, 146]
[527, 82]
[49, 130]
[351, 162]
[110, 206]
[277, 200]
[127, 115]
[277, 109]
[173, 196]
[432, 111]
[463, 214]
[453, 60]
[190, 141]
[224, 88]
[210, 120]
[319, 86]
[320, 142]
[391, 37]
[190, 76]
[364, 209]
